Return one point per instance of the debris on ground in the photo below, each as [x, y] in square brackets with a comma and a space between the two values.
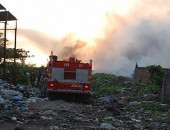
[128, 109]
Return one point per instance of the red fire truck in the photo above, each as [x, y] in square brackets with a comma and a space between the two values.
[70, 78]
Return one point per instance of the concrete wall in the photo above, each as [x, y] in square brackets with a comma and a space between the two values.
[165, 93]
[142, 75]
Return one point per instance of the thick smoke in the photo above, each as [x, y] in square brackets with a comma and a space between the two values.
[142, 36]
[64, 48]
[37, 39]
[72, 51]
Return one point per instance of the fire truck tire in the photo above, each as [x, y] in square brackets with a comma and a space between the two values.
[51, 96]
[85, 98]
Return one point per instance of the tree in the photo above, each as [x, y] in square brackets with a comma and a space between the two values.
[21, 76]
[20, 53]
[156, 74]
[13, 73]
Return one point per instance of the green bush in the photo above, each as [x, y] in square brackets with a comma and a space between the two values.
[18, 75]
[156, 74]
[101, 80]
[155, 89]
[107, 90]
[106, 84]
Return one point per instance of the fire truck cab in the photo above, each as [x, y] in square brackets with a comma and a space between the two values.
[69, 77]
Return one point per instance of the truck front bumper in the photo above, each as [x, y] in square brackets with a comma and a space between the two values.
[69, 91]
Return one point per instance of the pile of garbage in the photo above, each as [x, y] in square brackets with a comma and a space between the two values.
[132, 107]
[14, 101]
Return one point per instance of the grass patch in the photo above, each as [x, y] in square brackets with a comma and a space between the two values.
[106, 84]
[155, 89]
[107, 90]
[160, 114]
[155, 107]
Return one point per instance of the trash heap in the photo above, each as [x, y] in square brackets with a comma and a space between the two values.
[124, 105]
[14, 101]
[132, 105]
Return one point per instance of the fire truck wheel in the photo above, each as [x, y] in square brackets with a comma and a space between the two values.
[51, 96]
[85, 98]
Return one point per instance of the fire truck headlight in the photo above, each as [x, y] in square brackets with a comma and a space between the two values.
[86, 87]
[51, 85]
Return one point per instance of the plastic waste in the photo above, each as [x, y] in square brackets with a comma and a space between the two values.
[18, 98]
[2, 101]
[23, 108]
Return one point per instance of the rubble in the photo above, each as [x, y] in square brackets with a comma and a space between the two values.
[107, 126]
[2, 101]
[128, 109]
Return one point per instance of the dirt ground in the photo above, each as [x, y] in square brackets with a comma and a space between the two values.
[109, 112]
[53, 115]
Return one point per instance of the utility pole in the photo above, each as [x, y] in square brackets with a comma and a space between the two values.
[15, 54]
[4, 67]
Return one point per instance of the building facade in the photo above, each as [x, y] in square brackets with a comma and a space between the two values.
[141, 74]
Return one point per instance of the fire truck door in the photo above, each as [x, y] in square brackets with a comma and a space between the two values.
[82, 75]
[57, 73]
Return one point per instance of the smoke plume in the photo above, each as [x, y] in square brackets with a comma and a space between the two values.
[37, 39]
[141, 36]
[72, 51]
